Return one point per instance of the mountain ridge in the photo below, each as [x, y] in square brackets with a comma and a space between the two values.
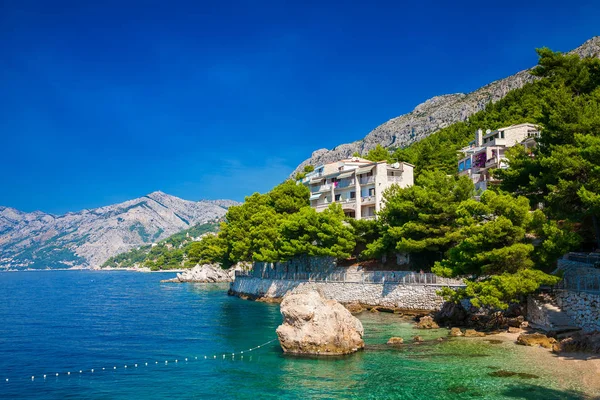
[434, 114]
[88, 237]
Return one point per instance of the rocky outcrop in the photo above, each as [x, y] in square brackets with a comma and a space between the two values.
[206, 273]
[473, 333]
[395, 341]
[579, 343]
[456, 332]
[433, 115]
[536, 339]
[451, 314]
[314, 325]
[426, 323]
[88, 238]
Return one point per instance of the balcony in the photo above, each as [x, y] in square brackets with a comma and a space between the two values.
[369, 217]
[396, 179]
[344, 183]
[324, 188]
[367, 200]
[366, 180]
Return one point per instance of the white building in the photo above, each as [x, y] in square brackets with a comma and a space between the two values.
[488, 150]
[357, 184]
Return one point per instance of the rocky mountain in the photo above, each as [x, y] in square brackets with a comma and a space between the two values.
[89, 237]
[434, 114]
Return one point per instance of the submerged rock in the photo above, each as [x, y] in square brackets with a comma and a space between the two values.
[395, 340]
[473, 333]
[455, 332]
[426, 323]
[354, 308]
[418, 339]
[315, 325]
[535, 339]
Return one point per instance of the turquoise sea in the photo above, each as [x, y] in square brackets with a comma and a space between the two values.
[67, 321]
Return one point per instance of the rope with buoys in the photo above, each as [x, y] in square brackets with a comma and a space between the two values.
[212, 356]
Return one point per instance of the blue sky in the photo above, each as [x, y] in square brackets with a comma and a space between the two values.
[101, 102]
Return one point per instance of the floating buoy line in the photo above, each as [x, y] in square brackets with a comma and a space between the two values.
[212, 356]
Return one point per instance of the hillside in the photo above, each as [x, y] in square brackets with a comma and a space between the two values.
[87, 238]
[434, 114]
[169, 253]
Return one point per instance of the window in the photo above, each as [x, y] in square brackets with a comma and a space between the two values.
[461, 166]
[468, 163]
[502, 134]
[372, 192]
[337, 197]
[352, 195]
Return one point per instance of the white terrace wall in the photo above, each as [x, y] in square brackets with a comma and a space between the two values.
[393, 295]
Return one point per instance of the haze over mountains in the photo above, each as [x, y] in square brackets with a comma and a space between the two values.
[87, 238]
[434, 114]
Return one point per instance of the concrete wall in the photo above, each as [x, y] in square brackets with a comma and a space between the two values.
[582, 307]
[408, 297]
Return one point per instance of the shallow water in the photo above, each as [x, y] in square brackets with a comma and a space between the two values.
[78, 320]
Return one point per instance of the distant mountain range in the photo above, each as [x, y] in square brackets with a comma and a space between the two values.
[433, 115]
[87, 238]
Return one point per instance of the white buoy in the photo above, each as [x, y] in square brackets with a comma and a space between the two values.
[126, 366]
[215, 356]
[157, 362]
[69, 373]
[80, 371]
[6, 379]
[92, 370]
[242, 352]
[166, 362]
[186, 359]
[176, 360]
[57, 374]
[44, 377]
[33, 377]
[114, 367]
[146, 364]
[103, 369]
[205, 357]
[135, 365]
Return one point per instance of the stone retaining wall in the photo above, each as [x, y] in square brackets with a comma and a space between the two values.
[392, 295]
[582, 307]
[536, 314]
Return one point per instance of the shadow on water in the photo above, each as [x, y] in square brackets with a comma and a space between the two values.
[534, 392]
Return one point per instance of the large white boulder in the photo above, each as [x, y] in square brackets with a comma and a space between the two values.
[315, 325]
[207, 273]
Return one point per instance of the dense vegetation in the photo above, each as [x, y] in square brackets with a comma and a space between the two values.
[170, 253]
[503, 247]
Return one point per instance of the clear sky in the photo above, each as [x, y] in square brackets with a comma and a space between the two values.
[104, 101]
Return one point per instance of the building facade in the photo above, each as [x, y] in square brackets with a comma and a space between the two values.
[487, 151]
[357, 184]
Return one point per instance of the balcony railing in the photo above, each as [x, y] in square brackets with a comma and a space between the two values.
[344, 183]
[367, 179]
[367, 199]
[394, 178]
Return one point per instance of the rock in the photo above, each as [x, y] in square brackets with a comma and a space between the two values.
[524, 325]
[512, 329]
[456, 332]
[473, 333]
[515, 322]
[451, 314]
[426, 323]
[440, 339]
[417, 339]
[374, 310]
[534, 339]
[315, 325]
[354, 308]
[395, 340]
[579, 342]
[207, 273]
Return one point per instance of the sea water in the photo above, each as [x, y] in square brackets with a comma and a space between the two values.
[70, 321]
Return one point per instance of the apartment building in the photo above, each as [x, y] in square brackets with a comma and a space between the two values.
[488, 150]
[357, 184]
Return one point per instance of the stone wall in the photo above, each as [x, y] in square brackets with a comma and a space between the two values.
[393, 295]
[299, 264]
[536, 314]
[582, 307]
